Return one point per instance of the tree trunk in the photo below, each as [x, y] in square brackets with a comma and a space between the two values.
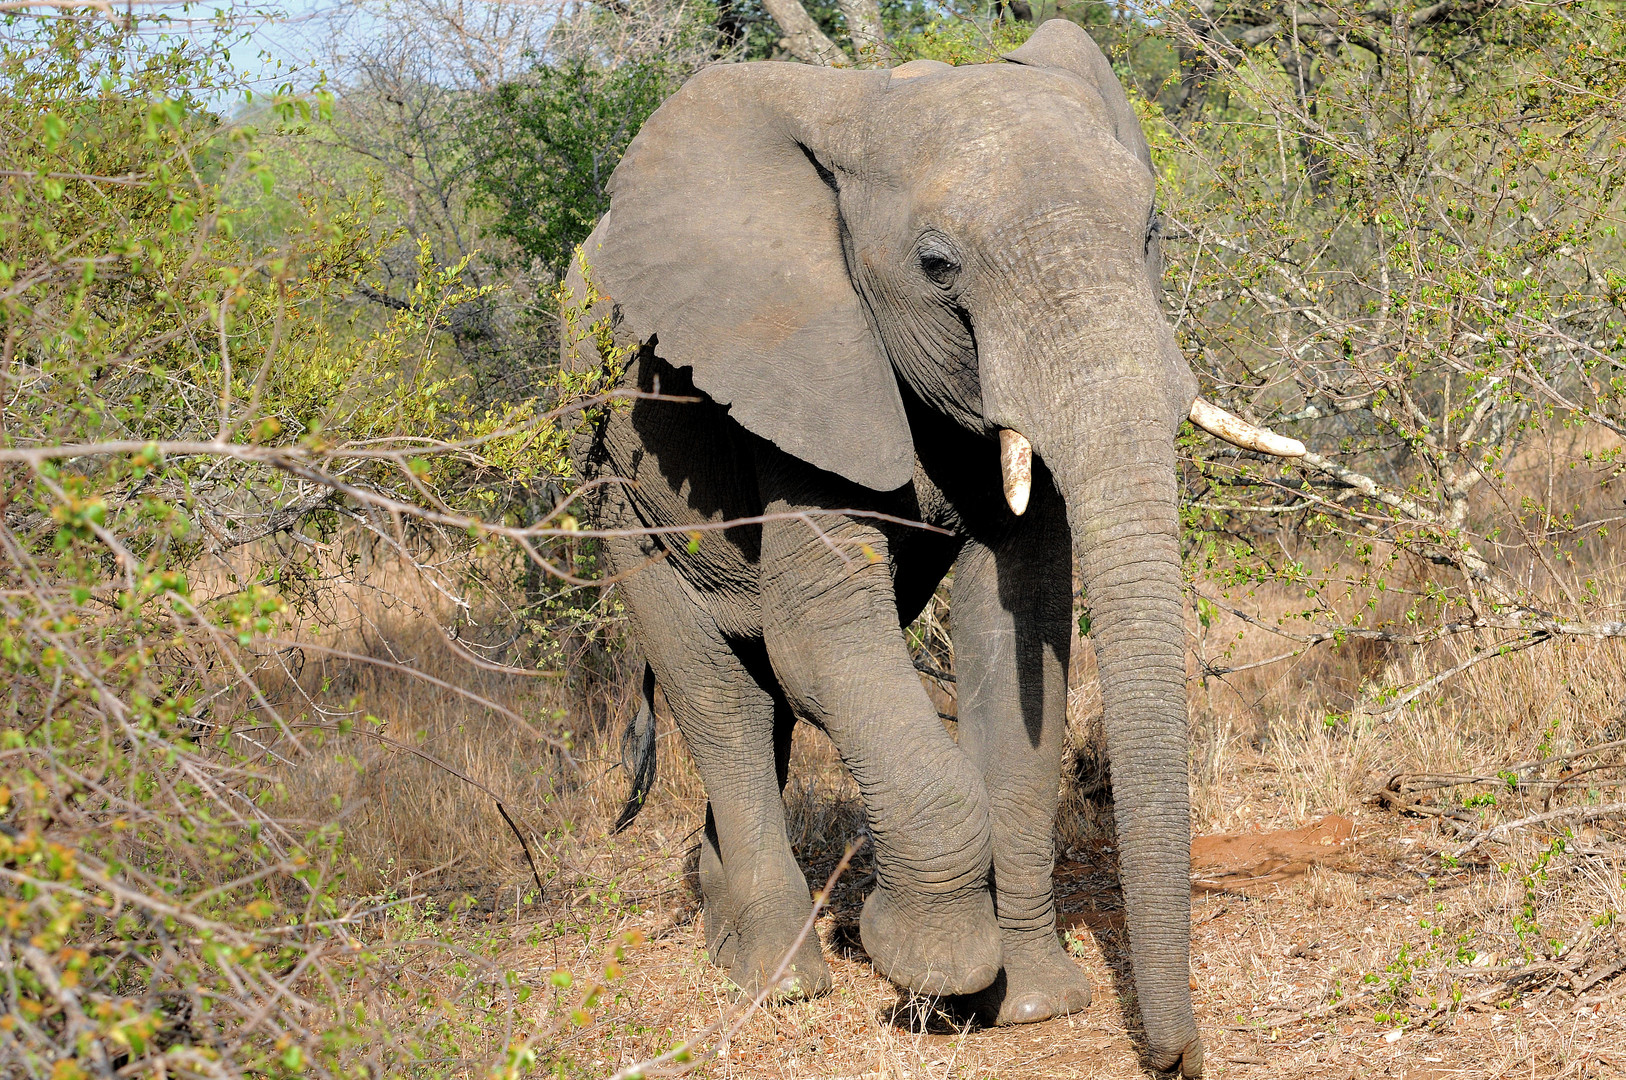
[803, 38]
[864, 26]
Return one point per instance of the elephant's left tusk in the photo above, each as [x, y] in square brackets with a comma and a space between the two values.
[1016, 466]
[1238, 432]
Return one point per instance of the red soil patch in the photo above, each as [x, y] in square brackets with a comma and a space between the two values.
[1233, 862]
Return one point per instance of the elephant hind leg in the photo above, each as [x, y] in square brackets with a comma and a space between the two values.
[756, 897]
[716, 906]
[720, 919]
[638, 752]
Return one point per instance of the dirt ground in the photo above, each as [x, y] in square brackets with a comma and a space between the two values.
[1345, 948]
[1336, 931]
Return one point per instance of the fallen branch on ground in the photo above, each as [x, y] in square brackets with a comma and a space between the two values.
[1577, 814]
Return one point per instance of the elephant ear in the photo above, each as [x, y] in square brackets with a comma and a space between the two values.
[1065, 47]
[723, 243]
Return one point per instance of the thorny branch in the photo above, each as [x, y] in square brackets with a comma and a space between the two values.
[1431, 305]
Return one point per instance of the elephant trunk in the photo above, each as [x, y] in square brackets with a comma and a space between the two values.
[1118, 476]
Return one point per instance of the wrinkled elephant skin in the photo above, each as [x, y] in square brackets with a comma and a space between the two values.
[859, 280]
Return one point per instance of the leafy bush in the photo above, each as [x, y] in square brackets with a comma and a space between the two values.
[959, 41]
[175, 394]
[544, 149]
[1397, 239]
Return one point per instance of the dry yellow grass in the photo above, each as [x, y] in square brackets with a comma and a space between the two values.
[1310, 977]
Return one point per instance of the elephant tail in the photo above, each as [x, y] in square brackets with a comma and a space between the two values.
[638, 751]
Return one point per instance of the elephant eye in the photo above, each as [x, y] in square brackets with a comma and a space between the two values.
[939, 264]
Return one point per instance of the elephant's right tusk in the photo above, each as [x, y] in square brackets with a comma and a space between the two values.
[1238, 432]
[1016, 466]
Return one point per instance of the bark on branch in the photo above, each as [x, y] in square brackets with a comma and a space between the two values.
[803, 38]
[864, 25]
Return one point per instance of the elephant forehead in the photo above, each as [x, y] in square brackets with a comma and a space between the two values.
[1007, 192]
[1008, 132]
[957, 104]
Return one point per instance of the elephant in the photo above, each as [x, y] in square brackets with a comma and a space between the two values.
[879, 326]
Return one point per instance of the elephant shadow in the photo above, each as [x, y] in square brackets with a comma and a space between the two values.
[1096, 884]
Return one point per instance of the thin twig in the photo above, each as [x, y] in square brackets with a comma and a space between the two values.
[502, 807]
[469, 695]
[682, 1058]
[1568, 814]
[1501, 648]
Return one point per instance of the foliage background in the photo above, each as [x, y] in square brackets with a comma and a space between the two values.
[281, 407]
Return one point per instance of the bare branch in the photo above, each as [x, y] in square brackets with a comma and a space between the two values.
[1498, 833]
[803, 38]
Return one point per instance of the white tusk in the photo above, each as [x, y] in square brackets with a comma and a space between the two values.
[1016, 466]
[1237, 431]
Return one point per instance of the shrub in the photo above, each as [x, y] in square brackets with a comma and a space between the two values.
[1397, 239]
[175, 394]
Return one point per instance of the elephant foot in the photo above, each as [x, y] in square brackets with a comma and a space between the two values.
[1187, 1061]
[947, 948]
[751, 943]
[805, 975]
[1037, 983]
[722, 938]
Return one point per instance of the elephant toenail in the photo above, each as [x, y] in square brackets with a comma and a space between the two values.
[1030, 1009]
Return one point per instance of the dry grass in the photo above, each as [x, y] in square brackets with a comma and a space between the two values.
[1304, 978]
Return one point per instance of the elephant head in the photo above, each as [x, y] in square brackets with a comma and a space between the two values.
[807, 240]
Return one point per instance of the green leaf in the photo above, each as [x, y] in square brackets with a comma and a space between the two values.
[55, 128]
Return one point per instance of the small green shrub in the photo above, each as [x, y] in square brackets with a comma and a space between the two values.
[176, 393]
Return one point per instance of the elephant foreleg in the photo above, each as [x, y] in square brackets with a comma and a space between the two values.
[830, 624]
[1012, 605]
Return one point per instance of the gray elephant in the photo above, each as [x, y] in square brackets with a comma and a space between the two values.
[924, 295]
